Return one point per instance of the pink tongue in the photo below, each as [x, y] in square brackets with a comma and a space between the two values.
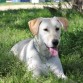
[53, 51]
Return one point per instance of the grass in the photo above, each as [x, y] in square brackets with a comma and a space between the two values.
[14, 27]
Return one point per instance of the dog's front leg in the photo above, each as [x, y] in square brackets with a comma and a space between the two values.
[35, 66]
[55, 66]
[33, 60]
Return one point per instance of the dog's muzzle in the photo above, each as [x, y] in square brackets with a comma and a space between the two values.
[54, 49]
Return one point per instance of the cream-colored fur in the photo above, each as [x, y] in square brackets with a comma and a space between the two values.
[34, 52]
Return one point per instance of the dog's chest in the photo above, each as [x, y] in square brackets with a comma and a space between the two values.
[44, 54]
[42, 50]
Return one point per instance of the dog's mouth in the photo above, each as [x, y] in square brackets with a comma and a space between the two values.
[53, 51]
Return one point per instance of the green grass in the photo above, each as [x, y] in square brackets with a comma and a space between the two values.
[14, 27]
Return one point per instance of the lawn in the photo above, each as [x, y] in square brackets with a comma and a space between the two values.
[14, 27]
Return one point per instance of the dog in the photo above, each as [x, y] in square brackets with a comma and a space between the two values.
[41, 52]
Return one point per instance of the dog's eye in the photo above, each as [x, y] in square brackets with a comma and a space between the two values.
[46, 29]
[57, 29]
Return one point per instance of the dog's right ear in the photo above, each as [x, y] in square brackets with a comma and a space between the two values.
[34, 25]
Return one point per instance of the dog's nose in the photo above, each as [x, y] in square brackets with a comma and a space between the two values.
[55, 42]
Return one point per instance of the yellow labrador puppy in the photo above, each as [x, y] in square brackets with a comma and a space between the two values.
[41, 53]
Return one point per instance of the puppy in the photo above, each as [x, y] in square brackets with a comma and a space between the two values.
[41, 52]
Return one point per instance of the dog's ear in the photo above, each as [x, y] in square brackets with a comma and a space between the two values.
[64, 22]
[34, 25]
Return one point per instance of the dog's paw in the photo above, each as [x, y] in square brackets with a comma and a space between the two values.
[64, 77]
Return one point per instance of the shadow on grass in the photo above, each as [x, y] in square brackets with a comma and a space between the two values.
[9, 64]
[19, 18]
[63, 12]
[71, 53]
[72, 43]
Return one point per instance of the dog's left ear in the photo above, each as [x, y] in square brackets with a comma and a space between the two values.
[64, 22]
[34, 25]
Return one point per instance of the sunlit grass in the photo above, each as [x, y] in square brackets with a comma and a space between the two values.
[14, 27]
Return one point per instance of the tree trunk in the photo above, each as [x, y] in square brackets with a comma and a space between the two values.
[77, 5]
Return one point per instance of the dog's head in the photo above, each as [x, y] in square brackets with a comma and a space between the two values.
[48, 30]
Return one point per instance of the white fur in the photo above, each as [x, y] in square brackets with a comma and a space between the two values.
[35, 53]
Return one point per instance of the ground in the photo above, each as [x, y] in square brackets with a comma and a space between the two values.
[26, 5]
[14, 27]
